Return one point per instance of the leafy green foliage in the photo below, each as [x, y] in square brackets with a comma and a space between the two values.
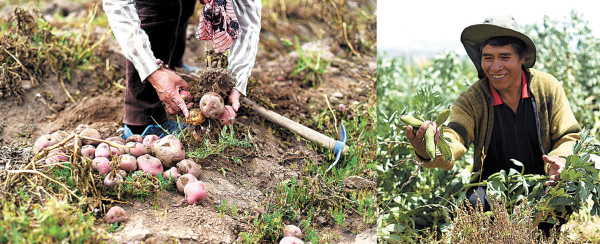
[309, 65]
[227, 139]
[414, 199]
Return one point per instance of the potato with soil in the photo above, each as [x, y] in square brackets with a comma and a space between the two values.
[212, 105]
[56, 156]
[195, 192]
[290, 240]
[293, 231]
[110, 181]
[137, 149]
[116, 139]
[168, 150]
[43, 142]
[91, 133]
[115, 214]
[188, 166]
[184, 180]
[60, 135]
[88, 151]
[80, 128]
[228, 116]
[150, 164]
[149, 140]
[101, 164]
[171, 174]
[135, 138]
[196, 117]
[103, 150]
[128, 162]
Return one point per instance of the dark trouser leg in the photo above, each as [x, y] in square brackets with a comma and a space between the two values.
[159, 19]
[478, 194]
[187, 12]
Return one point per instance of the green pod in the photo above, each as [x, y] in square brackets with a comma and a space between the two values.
[430, 141]
[445, 149]
[419, 117]
[412, 121]
[444, 115]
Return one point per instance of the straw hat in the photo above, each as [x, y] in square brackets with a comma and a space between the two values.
[495, 26]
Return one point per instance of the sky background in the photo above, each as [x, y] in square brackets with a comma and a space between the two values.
[422, 28]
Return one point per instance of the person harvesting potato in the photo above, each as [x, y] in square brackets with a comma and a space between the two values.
[152, 33]
[512, 112]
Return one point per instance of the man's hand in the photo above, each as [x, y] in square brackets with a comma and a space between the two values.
[418, 140]
[234, 99]
[167, 84]
[557, 166]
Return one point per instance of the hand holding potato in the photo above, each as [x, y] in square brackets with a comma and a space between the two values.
[167, 85]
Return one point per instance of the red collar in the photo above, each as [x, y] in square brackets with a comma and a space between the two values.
[496, 100]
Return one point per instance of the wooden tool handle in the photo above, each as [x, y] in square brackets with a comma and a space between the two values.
[289, 124]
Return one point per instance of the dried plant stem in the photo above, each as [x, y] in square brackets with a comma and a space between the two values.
[64, 88]
[43, 175]
[22, 66]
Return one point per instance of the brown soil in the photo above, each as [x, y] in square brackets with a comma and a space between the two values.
[277, 153]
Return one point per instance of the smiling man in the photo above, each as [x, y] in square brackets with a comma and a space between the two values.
[512, 112]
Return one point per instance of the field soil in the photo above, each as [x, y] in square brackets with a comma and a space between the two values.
[276, 155]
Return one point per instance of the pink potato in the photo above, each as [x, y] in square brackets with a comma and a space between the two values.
[115, 214]
[115, 139]
[188, 166]
[168, 150]
[228, 116]
[212, 105]
[88, 151]
[102, 150]
[195, 192]
[171, 174]
[290, 240]
[56, 156]
[185, 95]
[110, 181]
[91, 133]
[117, 151]
[292, 230]
[101, 164]
[137, 149]
[150, 139]
[60, 135]
[128, 162]
[43, 142]
[135, 138]
[184, 180]
[122, 173]
[150, 165]
[80, 128]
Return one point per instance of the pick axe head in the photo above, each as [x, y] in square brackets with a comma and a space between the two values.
[339, 145]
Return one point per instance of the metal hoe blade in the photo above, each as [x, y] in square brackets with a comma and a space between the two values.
[339, 145]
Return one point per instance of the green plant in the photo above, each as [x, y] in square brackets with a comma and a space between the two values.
[309, 65]
[226, 139]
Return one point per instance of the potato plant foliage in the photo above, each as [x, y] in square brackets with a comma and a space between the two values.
[413, 200]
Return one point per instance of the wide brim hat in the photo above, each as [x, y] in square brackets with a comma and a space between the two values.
[495, 26]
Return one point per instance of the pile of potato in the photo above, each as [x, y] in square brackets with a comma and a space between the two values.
[149, 154]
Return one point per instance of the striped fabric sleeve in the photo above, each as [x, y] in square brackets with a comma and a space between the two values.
[244, 49]
[125, 23]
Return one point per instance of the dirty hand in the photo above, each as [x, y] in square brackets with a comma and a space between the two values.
[234, 99]
[557, 166]
[418, 140]
[167, 85]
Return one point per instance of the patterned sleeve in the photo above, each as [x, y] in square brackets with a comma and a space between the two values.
[125, 23]
[243, 53]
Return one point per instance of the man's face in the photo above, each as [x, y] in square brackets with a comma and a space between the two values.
[502, 66]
